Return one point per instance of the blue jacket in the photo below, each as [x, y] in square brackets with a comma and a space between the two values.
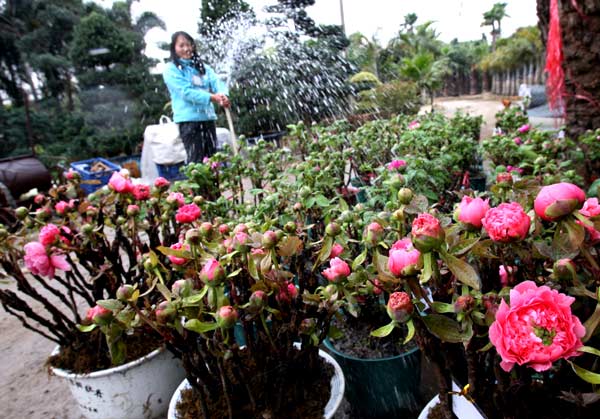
[190, 92]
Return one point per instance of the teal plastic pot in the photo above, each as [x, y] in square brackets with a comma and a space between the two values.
[384, 387]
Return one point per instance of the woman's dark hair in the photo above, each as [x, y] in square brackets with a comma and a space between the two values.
[196, 61]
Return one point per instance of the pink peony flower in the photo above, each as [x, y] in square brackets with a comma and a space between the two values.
[39, 199]
[399, 306]
[176, 198]
[39, 263]
[518, 140]
[119, 183]
[507, 274]
[414, 124]
[62, 207]
[141, 192]
[472, 210]
[337, 271]
[396, 164]
[504, 178]
[402, 256]
[555, 201]
[507, 223]
[427, 233]
[48, 234]
[188, 213]
[212, 272]
[239, 240]
[176, 260]
[336, 250]
[524, 128]
[133, 210]
[536, 328]
[161, 183]
[591, 209]
[511, 169]
[223, 229]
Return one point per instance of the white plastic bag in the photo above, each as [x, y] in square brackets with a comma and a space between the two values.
[164, 142]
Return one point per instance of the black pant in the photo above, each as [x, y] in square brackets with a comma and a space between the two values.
[199, 139]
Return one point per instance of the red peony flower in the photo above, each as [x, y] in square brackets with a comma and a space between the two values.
[556, 201]
[188, 213]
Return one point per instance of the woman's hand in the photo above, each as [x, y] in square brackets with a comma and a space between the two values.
[220, 99]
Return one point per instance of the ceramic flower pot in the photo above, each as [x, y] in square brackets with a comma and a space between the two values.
[335, 398]
[139, 389]
[384, 387]
[462, 408]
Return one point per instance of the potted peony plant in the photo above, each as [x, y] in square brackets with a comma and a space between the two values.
[62, 259]
[506, 300]
[253, 281]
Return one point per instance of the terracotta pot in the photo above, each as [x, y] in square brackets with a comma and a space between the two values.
[139, 389]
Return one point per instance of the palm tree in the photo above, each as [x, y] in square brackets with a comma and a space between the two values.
[427, 72]
[364, 52]
[492, 17]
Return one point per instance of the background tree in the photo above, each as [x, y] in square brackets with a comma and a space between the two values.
[493, 18]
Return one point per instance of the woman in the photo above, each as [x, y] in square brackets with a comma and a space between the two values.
[194, 87]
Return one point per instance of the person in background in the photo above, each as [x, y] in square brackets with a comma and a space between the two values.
[194, 88]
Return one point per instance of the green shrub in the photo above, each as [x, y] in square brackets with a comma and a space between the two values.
[398, 97]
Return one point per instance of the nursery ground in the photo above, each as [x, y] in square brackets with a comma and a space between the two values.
[26, 390]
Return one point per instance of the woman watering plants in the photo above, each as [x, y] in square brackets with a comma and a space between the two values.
[194, 87]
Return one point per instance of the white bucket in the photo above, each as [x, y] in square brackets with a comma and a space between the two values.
[335, 399]
[139, 389]
[462, 408]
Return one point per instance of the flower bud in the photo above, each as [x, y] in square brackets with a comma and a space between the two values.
[308, 326]
[298, 206]
[399, 306]
[427, 233]
[212, 273]
[226, 317]
[290, 227]
[182, 287]
[99, 315]
[121, 220]
[504, 178]
[125, 292]
[165, 312]
[405, 195]
[269, 239]
[223, 229]
[464, 304]
[133, 210]
[149, 264]
[398, 215]
[205, 229]
[564, 270]
[3, 233]
[43, 214]
[192, 236]
[333, 229]
[373, 233]
[87, 229]
[198, 200]
[39, 199]
[258, 299]
[338, 270]
[558, 200]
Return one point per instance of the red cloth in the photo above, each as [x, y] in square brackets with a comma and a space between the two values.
[554, 57]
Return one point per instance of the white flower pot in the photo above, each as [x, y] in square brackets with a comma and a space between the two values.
[139, 389]
[462, 408]
[335, 399]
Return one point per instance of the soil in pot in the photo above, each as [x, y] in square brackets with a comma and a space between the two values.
[90, 353]
[304, 394]
[382, 374]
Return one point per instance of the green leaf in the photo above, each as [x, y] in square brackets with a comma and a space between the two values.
[462, 270]
[590, 377]
[199, 327]
[411, 331]
[118, 352]
[464, 246]
[589, 350]
[427, 272]
[164, 291]
[234, 273]
[322, 201]
[591, 324]
[447, 329]
[111, 305]
[440, 307]
[334, 333]
[86, 328]
[486, 347]
[290, 245]
[325, 251]
[359, 259]
[484, 249]
[167, 251]
[196, 298]
[383, 331]
[252, 268]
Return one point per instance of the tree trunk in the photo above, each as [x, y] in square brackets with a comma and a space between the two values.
[580, 30]
[473, 82]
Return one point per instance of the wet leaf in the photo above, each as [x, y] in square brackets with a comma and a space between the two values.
[383, 331]
[586, 375]
[112, 305]
[447, 329]
[462, 270]
[199, 327]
